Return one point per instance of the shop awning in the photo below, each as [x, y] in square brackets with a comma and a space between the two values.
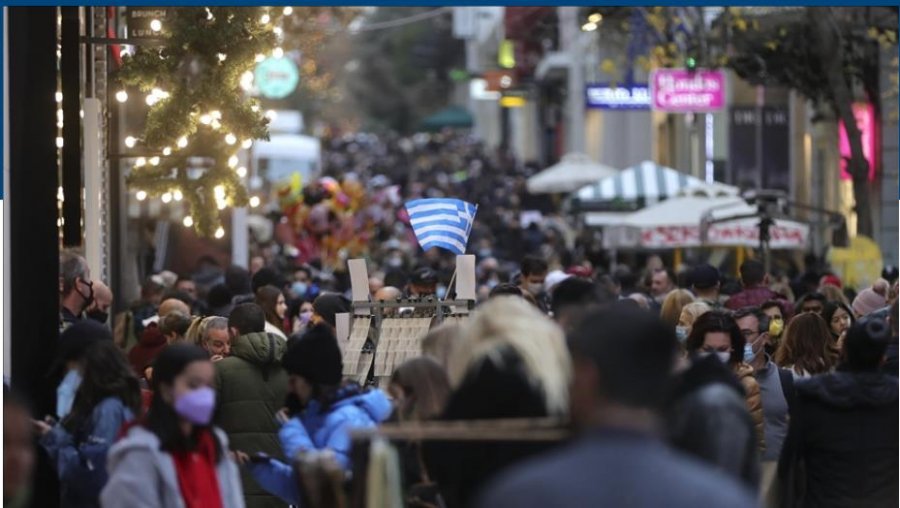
[572, 172]
[676, 223]
[451, 116]
[648, 181]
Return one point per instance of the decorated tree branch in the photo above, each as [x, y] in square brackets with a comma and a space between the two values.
[199, 115]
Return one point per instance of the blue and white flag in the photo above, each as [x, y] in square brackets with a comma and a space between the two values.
[440, 222]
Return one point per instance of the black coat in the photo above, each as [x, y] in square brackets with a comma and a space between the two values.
[842, 445]
[708, 418]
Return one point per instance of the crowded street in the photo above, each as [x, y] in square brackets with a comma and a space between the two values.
[451, 257]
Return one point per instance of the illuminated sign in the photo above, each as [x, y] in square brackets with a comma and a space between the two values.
[865, 122]
[683, 91]
[620, 97]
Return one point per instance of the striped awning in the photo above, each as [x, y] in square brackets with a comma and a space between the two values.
[647, 180]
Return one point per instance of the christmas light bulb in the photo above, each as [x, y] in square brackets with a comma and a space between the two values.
[264, 19]
[219, 192]
[167, 151]
[188, 221]
[209, 15]
[288, 11]
[277, 30]
[140, 162]
[216, 124]
[255, 108]
[121, 96]
[220, 233]
[205, 119]
[156, 25]
[151, 100]
[58, 96]
[259, 58]
[222, 57]
[167, 197]
[247, 143]
[130, 141]
[278, 52]
[216, 114]
[271, 115]
[241, 172]
[177, 195]
[182, 142]
[141, 195]
[154, 161]
[230, 139]
[254, 201]
[59, 142]
[221, 204]
[233, 161]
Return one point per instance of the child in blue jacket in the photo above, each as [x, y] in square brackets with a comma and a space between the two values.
[329, 411]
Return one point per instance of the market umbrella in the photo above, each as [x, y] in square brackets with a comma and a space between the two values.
[676, 222]
[648, 181]
[572, 172]
[451, 116]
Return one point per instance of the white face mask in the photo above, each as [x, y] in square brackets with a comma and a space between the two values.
[535, 289]
[682, 333]
[724, 356]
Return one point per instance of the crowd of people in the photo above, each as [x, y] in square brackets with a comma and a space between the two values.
[207, 397]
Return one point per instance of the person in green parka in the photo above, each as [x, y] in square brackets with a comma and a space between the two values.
[252, 387]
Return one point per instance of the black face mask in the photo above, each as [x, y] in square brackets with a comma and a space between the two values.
[89, 298]
[99, 316]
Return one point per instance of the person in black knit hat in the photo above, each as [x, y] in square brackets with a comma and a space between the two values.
[325, 410]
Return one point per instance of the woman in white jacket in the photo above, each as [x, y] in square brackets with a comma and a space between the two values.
[173, 458]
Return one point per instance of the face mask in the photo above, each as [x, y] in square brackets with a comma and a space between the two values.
[682, 333]
[65, 393]
[299, 289]
[749, 355]
[535, 289]
[99, 316]
[196, 406]
[724, 356]
[776, 326]
[305, 317]
[88, 298]
[492, 283]
[395, 262]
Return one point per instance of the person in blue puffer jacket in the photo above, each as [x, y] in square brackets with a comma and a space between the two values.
[324, 411]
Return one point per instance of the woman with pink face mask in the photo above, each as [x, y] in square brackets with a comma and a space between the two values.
[174, 456]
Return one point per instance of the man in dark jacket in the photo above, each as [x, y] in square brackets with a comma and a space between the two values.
[842, 445]
[755, 281]
[622, 361]
[252, 388]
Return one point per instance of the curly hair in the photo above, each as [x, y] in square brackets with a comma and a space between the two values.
[807, 345]
[717, 321]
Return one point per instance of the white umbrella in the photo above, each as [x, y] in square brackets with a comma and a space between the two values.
[676, 222]
[574, 171]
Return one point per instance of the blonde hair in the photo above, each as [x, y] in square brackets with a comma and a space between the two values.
[694, 310]
[439, 341]
[511, 321]
[672, 305]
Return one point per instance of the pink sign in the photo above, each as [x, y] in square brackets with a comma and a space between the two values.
[683, 91]
[865, 121]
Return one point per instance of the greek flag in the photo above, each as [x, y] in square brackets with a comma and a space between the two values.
[444, 223]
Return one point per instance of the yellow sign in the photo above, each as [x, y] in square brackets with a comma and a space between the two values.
[512, 101]
[858, 265]
[506, 54]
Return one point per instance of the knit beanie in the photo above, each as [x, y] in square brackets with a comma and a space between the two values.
[868, 301]
[315, 357]
[329, 304]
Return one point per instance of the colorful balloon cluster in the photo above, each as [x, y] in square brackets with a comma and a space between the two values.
[326, 221]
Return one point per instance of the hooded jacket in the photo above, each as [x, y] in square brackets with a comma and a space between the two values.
[252, 387]
[708, 418]
[143, 476]
[320, 429]
[842, 445]
[142, 355]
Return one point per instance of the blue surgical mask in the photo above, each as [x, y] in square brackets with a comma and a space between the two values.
[682, 333]
[749, 355]
[65, 393]
[299, 289]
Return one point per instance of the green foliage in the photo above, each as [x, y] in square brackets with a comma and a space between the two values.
[196, 75]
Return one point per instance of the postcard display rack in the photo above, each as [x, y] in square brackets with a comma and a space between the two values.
[378, 336]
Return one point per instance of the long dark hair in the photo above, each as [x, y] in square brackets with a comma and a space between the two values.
[162, 419]
[267, 299]
[717, 321]
[807, 344]
[831, 309]
[106, 374]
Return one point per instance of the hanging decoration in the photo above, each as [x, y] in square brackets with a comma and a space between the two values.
[199, 115]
